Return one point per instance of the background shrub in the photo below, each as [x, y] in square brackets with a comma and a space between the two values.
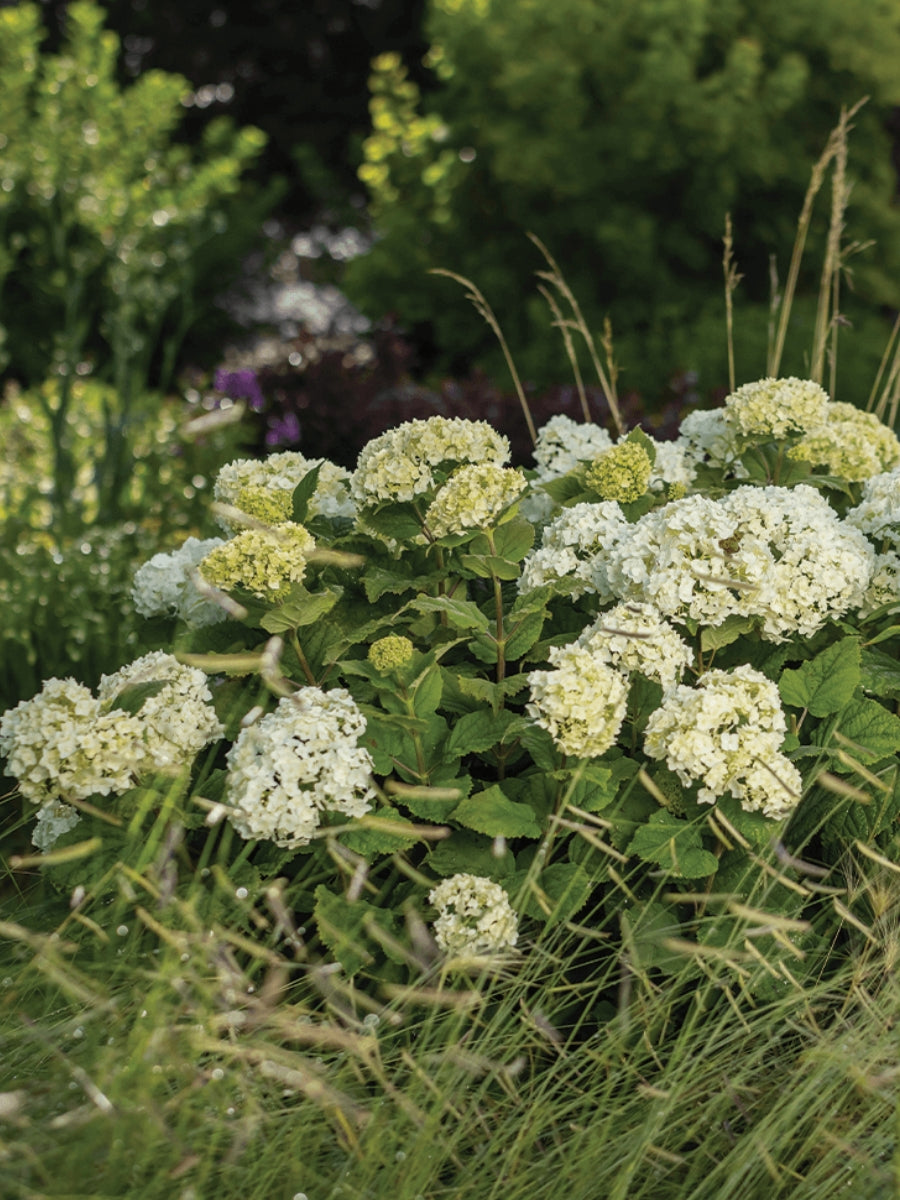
[622, 135]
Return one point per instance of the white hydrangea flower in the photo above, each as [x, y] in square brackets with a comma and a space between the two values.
[878, 513]
[296, 764]
[164, 585]
[177, 721]
[399, 465]
[60, 745]
[818, 566]
[280, 473]
[849, 443]
[581, 701]
[673, 466]
[726, 733]
[706, 436]
[53, 820]
[776, 553]
[475, 916]
[575, 547]
[635, 637]
[473, 498]
[563, 443]
[772, 409]
[884, 586]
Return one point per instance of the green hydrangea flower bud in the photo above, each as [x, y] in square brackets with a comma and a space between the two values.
[272, 506]
[390, 652]
[621, 473]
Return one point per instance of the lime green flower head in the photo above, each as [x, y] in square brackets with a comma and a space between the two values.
[621, 473]
[473, 498]
[272, 506]
[264, 562]
[390, 652]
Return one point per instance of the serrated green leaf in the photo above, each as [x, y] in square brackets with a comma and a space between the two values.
[874, 732]
[303, 493]
[884, 635]
[431, 803]
[514, 539]
[674, 844]
[341, 925]
[641, 439]
[715, 637]
[132, 699]
[470, 853]
[486, 565]
[644, 929]
[880, 674]
[462, 615]
[524, 634]
[492, 813]
[479, 731]
[757, 829]
[558, 893]
[824, 684]
[302, 608]
[371, 842]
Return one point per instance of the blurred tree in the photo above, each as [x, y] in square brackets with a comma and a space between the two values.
[296, 70]
[622, 134]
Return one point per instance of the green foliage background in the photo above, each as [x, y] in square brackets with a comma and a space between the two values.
[622, 135]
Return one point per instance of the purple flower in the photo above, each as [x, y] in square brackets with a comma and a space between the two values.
[283, 431]
[240, 385]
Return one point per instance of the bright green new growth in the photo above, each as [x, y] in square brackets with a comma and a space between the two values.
[621, 473]
[390, 652]
[272, 506]
[265, 562]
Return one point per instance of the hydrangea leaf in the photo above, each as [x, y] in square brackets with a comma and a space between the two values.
[372, 842]
[674, 844]
[302, 608]
[466, 851]
[486, 565]
[342, 927]
[461, 615]
[523, 635]
[826, 683]
[880, 674]
[303, 493]
[491, 812]
[393, 520]
[556, 895]
[431, 803]
[757, 829]
[644, 930]
[591, 786]
[874, 732]
[479, 731]
[716, 637]
[514, 539]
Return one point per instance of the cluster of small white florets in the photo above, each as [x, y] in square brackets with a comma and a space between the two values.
[706, 437]
[65, 744]
[164, 586]
[61, 745]
[399, 465]
[726, 734]
[475, 916]
[673, 465]
[563, 443]
[297, 763]
[473, 498]
[849, 443]
[177, 721]
[575, 547]
[247, 482]
[635, 637]
[773, 409]
[580, 701]
[53, 820]
[878, 513]
[779, 554]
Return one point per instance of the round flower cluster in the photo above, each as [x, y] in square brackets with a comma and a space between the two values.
[621, 473]
[581, 702]
[849, 443]
[399, 465]
[53, 820]
[264, 489]
[575, 547]
[726, 734]
[60, 745]
[884, 586]
[634, 637]
[164, 585]
[296, 764]
[563, 443]
[475, 916]
[878, 513]
[473, 498]
[264, 562]
[772, 409]
[673, 466]
[390, 652]
[779, 554]
[177, 719]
